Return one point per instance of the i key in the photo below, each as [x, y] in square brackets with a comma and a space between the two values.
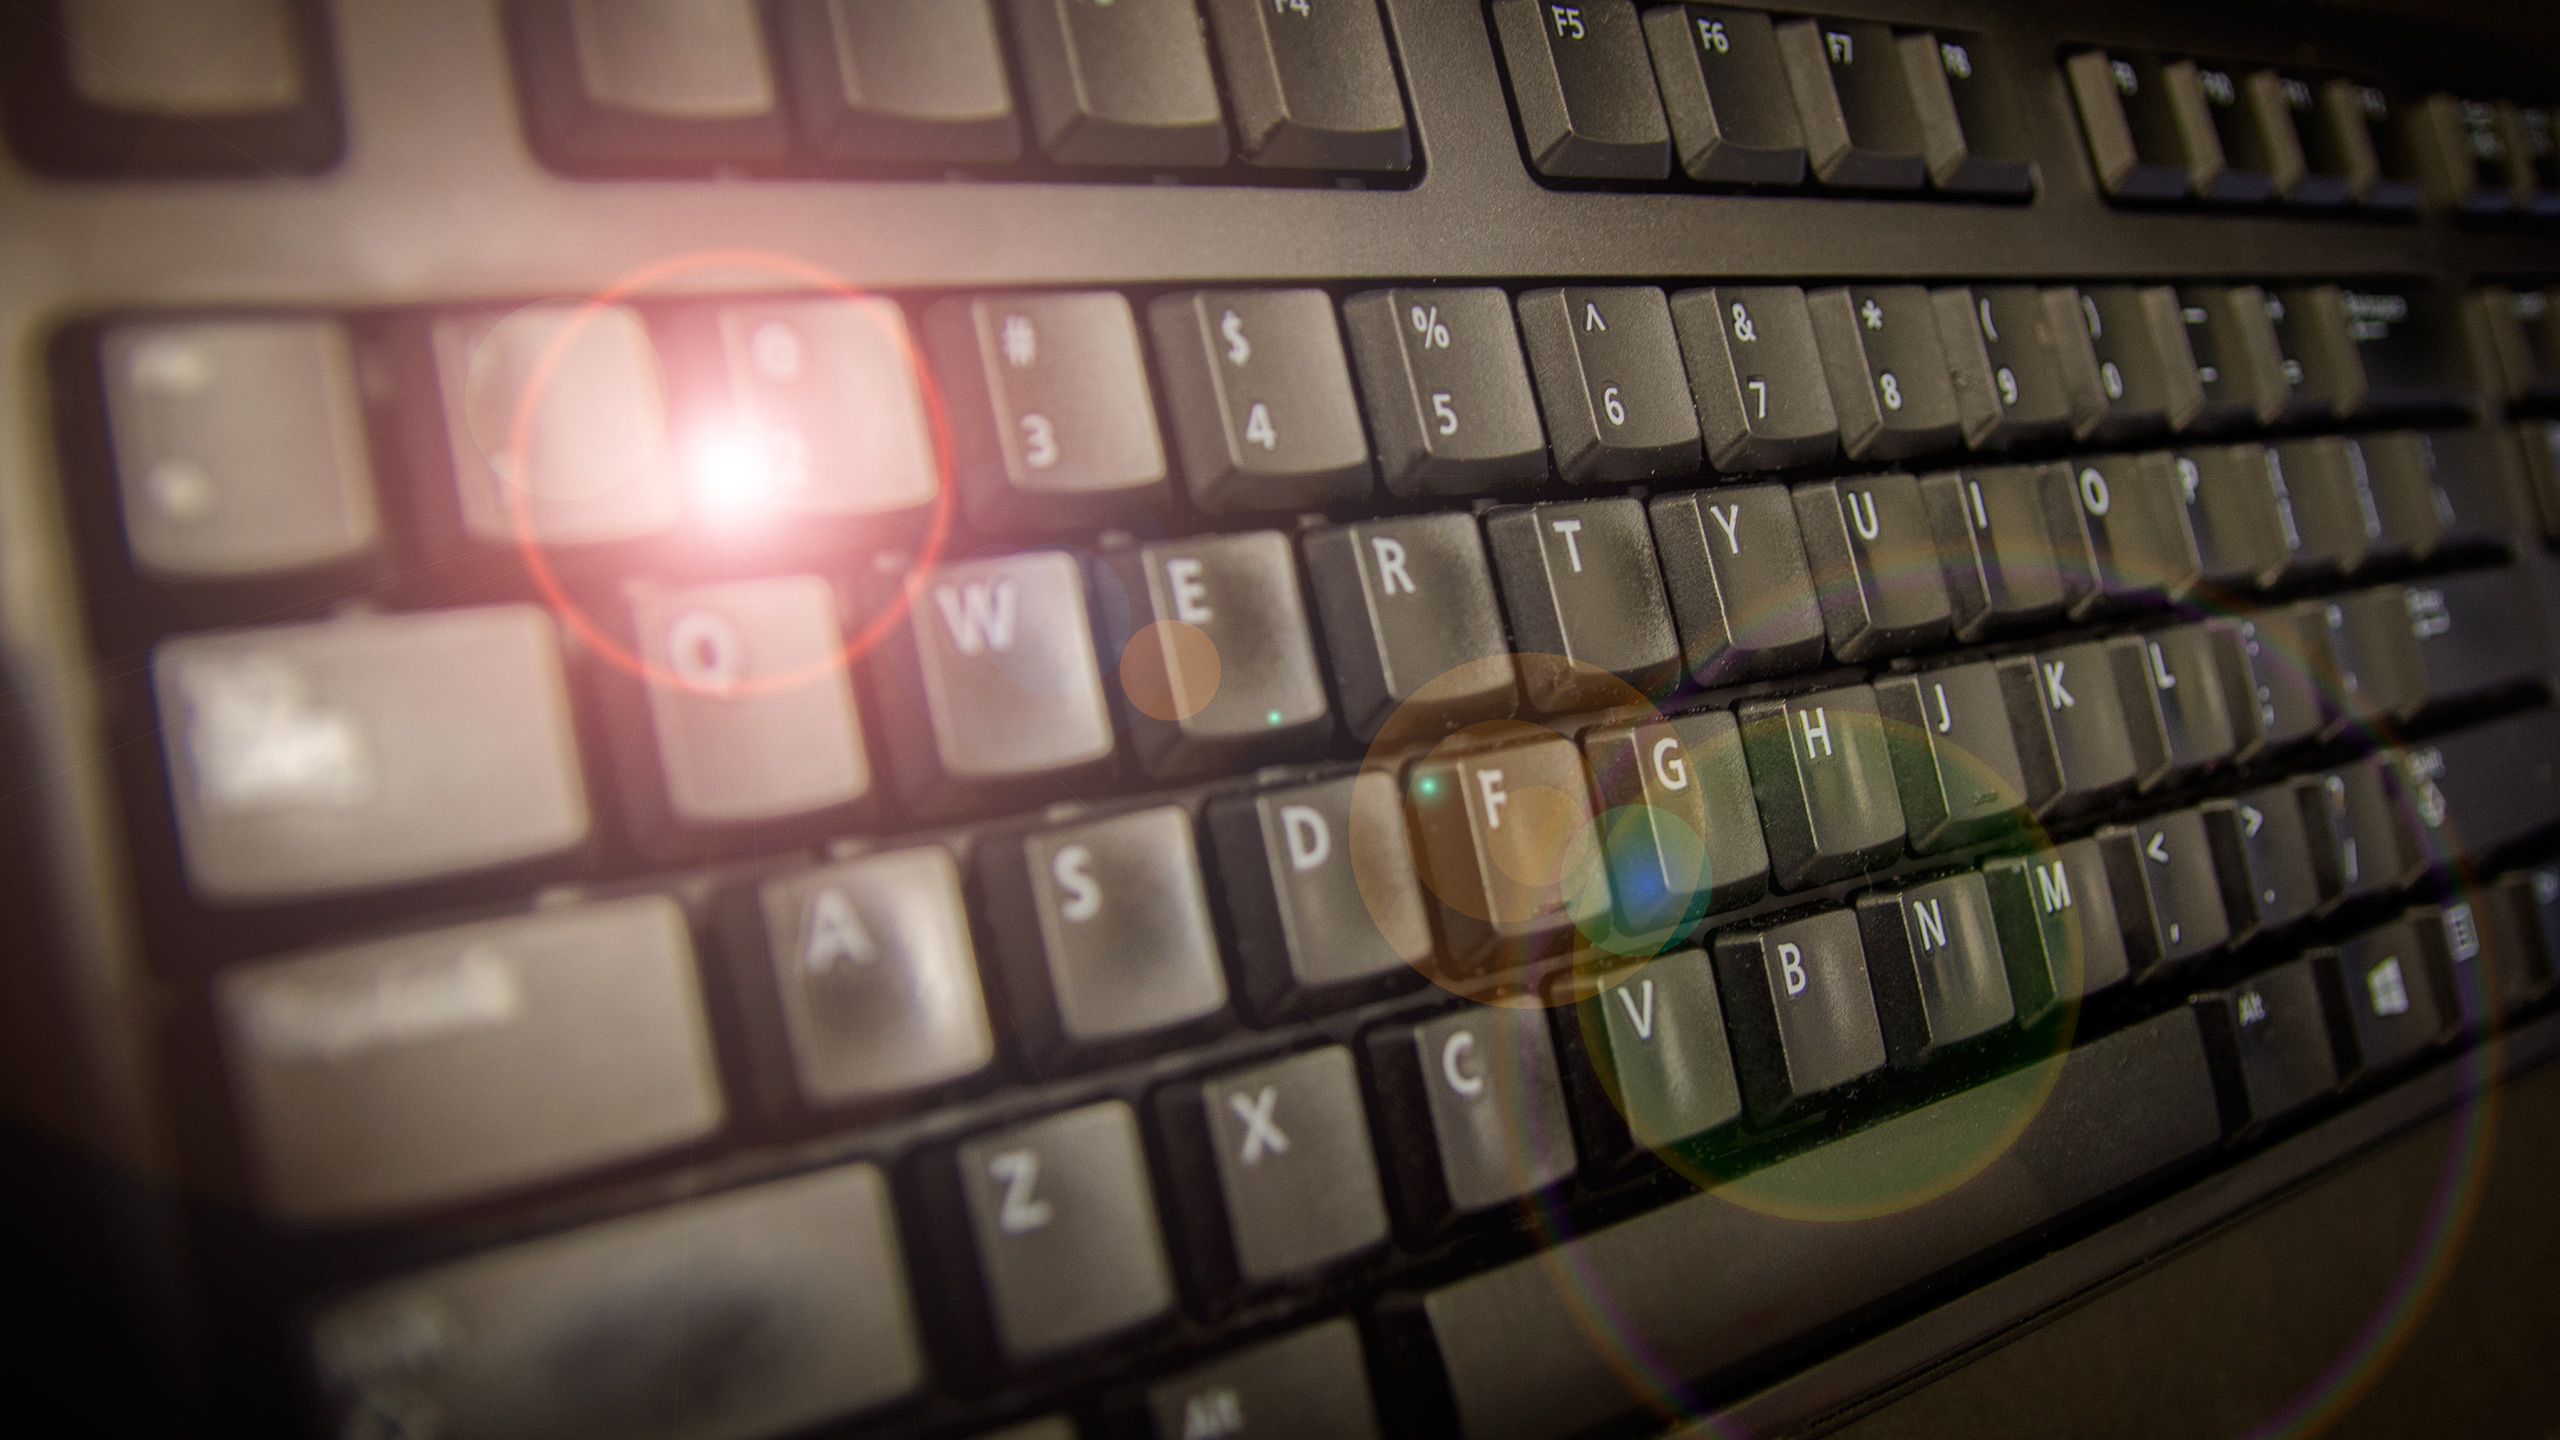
[2002, 568]
[1875, 565]
[1051, 410]
[1448, 393]
[1583, 84]
[1220, 670]
[1889, 380]
[1757, 374]
[1609, 381]
[1740, 589]
[1262, 404]
[1824, 780]
[1410, 622]
[1801, 1008]
[1586, 604]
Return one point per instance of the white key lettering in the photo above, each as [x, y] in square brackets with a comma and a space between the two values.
[1021, 1211]
[1727, 517]
[1190, 592]
[1791, 965]
[1458, 1047]
[1489, 782]
[978, 615]
[1392, 574]
[1310, 839]
[1571, 530]
[1261, 1135]
[836, 935]
[1071, 868]
[1668, 767]
[1816, 723]
[1641, 1019]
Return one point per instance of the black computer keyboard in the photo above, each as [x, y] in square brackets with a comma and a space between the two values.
[1255, 717]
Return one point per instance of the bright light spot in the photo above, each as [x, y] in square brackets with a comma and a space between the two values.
[1273, 717]
[742, 475]
[1428, 787]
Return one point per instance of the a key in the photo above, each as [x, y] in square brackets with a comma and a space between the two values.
[1741, 592]
[2144, 380]
[1448, 394]
[1585, 600]
[128, 88]
[1933, 952]
[1647, 1065]
[2380, 990]
[2188, 668]
[2078, 702]
[1956, 762]
[2209, 100]
[1272, 1167]
[1874, 564]
[1610, 384]
[1677, 822]
[1104, 935]
[1757, 374]
[2002, 568]
[2268, 1041]
[990, 689]
[2132, 510]
[1409, 623]
[1473, 1112]
[1503, 838]
[1823, 777]
[2008, 381]
[1967, 136]
[1311, 1383]
[2132, 124]
[1582, 83]
[2292, 670]
[879, 81]
[2055, 916]
[368, 750]
[1320, 884]
[776, 1307]
[2462, 154]
[2198, 903]
[1861, 129]
[827, 419]
[1263, 414]
[1890, 384]
[1125, 85]
[1051, 418]
[1725, 92]
[2361, 119]
[2237, 362]
[2233, 513]
[239, 446]
[2476, 793]
[2276, 825]
[876, 975]
[1799, 1004]
[658, 85]
[2410, 350]
[1220, 671]
[383, 1077]
[1313, 88]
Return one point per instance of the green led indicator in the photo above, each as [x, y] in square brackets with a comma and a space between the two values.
[1273, 717]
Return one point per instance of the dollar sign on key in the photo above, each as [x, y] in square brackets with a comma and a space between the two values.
[1239, 349]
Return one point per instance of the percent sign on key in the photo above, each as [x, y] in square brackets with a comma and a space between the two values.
[1426, 323]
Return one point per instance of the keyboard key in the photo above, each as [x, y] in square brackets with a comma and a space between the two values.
[881, 81]
[1971, 147]
[1410, 623]
[1050, 415]
[1821, 772]
[1583, 83]
[2446, 490]
[1585, 600]
[2462, 154]
[1313, 88]
[1273, 1168]
[2192, 670]
[1125, 85]
[1956, 762]
[1221, 671]
[1261, 397]
[2145, 378]
[2315, 351]
[2278, 826]
[379, 1078]
[1999, 347]
[754, 1312]
[2520, 330]
[657, 84]
[1473, 1112]
[1311, 1383]
[992, 695]
[2082, 707]
[1861, 130]
[1448, 394]
[2379, 989]
[1740, 589]
[2292, 669]
[2478, 792]
[877, 976]
[1321, 890]
[1675, 800]
[2304, 159]
[239, 446]
[2324, 497]
[2269, 1044]
[130, 88]
[1648, 1065]
[1726, 93]
[1890, 384]
[2410, 348]
[2530, 141]
[2211, 103]
[829, 386]
[368, 750]
[2518, 916]
[1803, 1016]
[1503, 839]
[1875, 565]
[1609, 381]
[2363, 125]
[2378, 848]
[2192, 911]
[2056, 918]
[2132, 509]
[2140, 149]
[1934, 954]
[1758, 376]
[1104, 933]
[2233, 512]
[2003, 570]
[2237, 362]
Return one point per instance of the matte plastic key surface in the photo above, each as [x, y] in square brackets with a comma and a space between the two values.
[1220, 669]
[1583, 83]
[1861, 129]
[2132, 513]
[830, 386]
[2363, 121]
[2145, 380]
[1585, 600]
[2278, 826]
[1473, 1112]
[1801, 1008]
[1261, 396]
[1313, 86]
[2193, 902]
[2380, 989]
[1410, 623]
[1655, 1068]
[2056, 918]
[2410, 349]
[1822, 772]
[650, 84]
[2269, 1043]
[1506, 849]
[1996, 548]
[1449, 401]
[1126, 84]
[1757, 373]
[1616, 402]
[1875, 565]
[1061, 1232]
[1933, 952]
[2233, 513]
[2304, 159]
[1051, 416]
[1969, 139]
[1741, 591]
[882, 80]
[1313, 1383]
[2190, 667]
[2229, 158]
[121, 89]
[1274, 1170]
[2007, 375]
[1677, 823]
[1890, 383]
[2237, 362]
[1956, 756]
[2126, 113]
[2080, 703]
[1726, 93]
[2478, 792]
[1320, 884]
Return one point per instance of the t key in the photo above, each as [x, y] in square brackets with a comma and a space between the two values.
[1448, 394]
[1585, 600]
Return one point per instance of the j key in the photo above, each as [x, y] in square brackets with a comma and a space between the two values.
[1861, 130]
[1448, 394]
[1310, 1383]
[2409, 346]
[2232, 510]
[2278, 826]
[829, 388]
[2462, 154]
[1824, 779]
[1726, 93]
[1676, 819]
[2212, 98]
[2195, 873]
[238, 446]
[2188, 668]
[1890, 384]
[2363, 122]
[2304, 158]
[1505, 845]
[1261, 395]
[1585, 600]
[1934, 954]
[1473, 1113]
[1647, 1063]
[2268, 1041]
[1874, 564]
[2381, 995]
[368, 750]
[2002, 568]
[1050, 410]
[1220, 671]
[1757, 373]
[663, 84]
[2477, 792]
[2056, 920]
[1124, 85]
[1409, 622]
[757, 1311]
[877, 976]
[1583, 84]
[2078, 702]
[1313, 89]
[1801, 1008]
[2143, 379]
[2237, 363]
[2379, 848]
[2136, 140]
[2008, 382]
[919, 84]
[1272, 1166]
[2292, 670]
[1610, 384]
[1105, 936]
[1320, 884]
[1969, 137]
[2132, 509]
[1956, 760]
[381, 1077]
[2316, 352]
[1741, 592]
[994, 694]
